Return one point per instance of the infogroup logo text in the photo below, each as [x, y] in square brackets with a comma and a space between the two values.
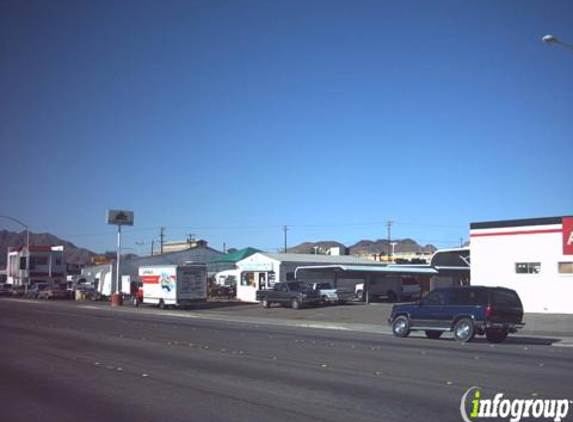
[513, 409]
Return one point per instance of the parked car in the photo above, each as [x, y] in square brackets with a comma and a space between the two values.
[331, 295]
[295, 294]
[18, 291]
[6, 289]
[53, 291]
[467, 311]
[35, 289]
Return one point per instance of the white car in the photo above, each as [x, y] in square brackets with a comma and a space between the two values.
[331, 295]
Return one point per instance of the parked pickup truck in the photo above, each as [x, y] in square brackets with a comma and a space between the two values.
[295, 294]
[330, 295]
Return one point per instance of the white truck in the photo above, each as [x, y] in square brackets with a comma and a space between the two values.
[394, 289]
[173, 285]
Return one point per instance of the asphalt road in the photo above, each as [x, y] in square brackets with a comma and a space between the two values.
[62, 362]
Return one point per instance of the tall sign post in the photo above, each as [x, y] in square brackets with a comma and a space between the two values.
[118, 218]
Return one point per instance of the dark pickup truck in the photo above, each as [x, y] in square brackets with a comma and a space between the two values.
[295, 294]
[467, 311]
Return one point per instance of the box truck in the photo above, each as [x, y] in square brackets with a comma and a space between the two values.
[173, 285]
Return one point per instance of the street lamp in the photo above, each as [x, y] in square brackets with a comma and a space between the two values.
[550, 39]
[27, 246]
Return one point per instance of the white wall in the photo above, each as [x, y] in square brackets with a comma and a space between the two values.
[493, 260]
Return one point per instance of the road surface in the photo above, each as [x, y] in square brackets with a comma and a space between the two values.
[67, 362]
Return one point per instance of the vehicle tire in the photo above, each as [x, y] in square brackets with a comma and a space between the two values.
[266, 304]
[464, 330]
[295, 303]
[433, 334]
[401, 326]
[496, 335]
[392, 297]
[162, 305]
[325, 300]
[360, 295]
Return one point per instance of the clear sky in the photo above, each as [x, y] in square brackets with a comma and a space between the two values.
[230, 119]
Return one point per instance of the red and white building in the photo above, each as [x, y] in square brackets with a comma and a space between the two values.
[46, 265]
[533, 256]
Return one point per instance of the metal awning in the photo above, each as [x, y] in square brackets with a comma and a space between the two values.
[379, 269]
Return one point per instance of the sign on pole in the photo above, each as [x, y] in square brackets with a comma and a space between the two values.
[119, 218]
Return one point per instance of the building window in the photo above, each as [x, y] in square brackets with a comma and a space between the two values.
[290, 276]
[528, 267]
[565, 267]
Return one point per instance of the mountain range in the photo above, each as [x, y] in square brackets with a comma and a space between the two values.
[365, 247]
[81, 256]
[73, 253]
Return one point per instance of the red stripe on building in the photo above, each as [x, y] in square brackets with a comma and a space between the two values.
[516, 233]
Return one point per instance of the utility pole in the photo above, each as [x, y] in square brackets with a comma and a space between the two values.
[152, 242]
[161, 238]
[285, 228]
[389, 228]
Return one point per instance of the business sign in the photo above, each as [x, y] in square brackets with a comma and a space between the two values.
[120, 218]
[256, 266]
[567, 236]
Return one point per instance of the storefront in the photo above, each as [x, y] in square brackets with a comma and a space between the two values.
[533, 257]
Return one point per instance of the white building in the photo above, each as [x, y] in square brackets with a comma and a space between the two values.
[261, 271]
[534, 257]
[46, 265]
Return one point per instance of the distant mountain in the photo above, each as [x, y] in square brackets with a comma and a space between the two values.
[365, 247]
[320, 247]
[73, 254]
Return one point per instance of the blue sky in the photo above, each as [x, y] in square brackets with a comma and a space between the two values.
[230, 119]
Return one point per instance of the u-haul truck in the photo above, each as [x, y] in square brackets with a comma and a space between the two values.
[174, 285]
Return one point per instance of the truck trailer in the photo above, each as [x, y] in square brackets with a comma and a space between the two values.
[173, 285]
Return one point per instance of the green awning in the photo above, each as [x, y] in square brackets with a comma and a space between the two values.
[236, 256]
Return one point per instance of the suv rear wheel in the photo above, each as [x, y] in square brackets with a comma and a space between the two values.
[401, 326]
[496, 335]
[464, 330]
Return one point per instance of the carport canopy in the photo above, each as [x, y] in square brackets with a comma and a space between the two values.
[375, 269]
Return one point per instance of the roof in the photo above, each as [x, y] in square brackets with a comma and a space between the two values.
[237, 255]
[517, 223]
[384, 269]
[326, 259]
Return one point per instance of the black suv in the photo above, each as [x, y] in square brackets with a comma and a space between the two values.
[467, 311]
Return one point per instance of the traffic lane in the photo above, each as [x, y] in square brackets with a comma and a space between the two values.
[173, 381]
[378, 375]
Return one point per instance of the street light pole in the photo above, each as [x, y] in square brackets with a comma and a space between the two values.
[550, 39]
[27, 246]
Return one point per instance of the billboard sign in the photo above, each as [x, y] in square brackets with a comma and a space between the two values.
[120, 217]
